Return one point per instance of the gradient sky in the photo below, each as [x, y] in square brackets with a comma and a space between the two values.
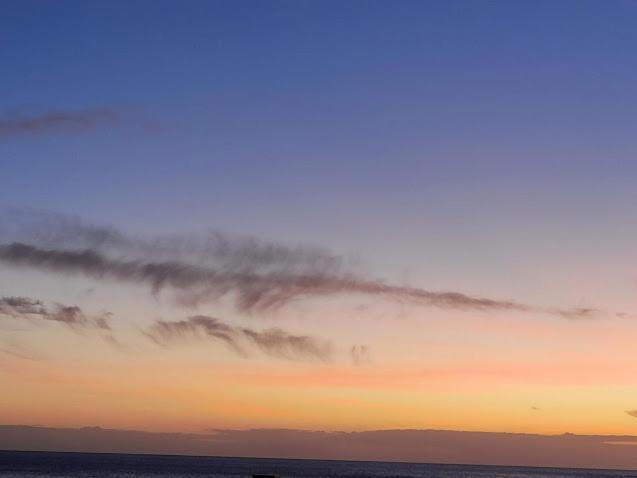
[480, 148]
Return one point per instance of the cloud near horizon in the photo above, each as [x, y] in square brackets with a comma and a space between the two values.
[413, 446]
[274, 341]
[56, 120]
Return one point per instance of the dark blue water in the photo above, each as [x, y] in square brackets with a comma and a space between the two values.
[85, 465]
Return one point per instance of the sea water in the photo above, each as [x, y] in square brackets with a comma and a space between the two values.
[100, 465]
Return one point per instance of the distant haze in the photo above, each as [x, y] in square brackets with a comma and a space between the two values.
[418, 446]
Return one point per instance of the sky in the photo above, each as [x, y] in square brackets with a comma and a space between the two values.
[336, 216]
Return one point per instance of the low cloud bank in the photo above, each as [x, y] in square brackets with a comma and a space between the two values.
[425, 446]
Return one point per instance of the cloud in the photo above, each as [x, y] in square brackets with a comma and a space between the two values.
[410, 446]
[21, 306]
[213, 248]
[70, 315]
[17, 349]
[632, 413]
[577, 313]
[254, 292]
[278, 343]
[57, 120]
[164, 332]
[359, 354]
[274, 342]
[260, 275]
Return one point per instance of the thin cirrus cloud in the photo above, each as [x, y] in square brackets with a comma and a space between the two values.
[56, 121]
[18, 350]
[632, 413]
[274, 342]
[254, 292]
[260, 275]
[70, 315]
[230, 253]
[359, 354]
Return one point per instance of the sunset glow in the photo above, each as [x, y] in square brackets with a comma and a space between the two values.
[299, 217]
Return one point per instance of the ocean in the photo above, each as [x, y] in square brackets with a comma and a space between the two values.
[99, 465]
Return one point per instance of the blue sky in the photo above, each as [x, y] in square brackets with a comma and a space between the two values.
[386, 129]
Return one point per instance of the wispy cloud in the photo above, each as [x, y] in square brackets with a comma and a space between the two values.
[17, 349]
[278, 343]
[199, 326]
[632, 413]
[359, 354]
[70, 315]
[254, 292]
[274, 342]
[213, 248]
[577, 313]
[260, 275]
[56, 120]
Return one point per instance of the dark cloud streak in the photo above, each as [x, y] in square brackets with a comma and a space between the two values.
[274, 342]
[60, 120]
[214, 248]
[70, 315]
[253, 292]
[261, 276]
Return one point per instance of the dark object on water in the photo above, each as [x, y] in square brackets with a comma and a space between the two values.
[265, 476]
